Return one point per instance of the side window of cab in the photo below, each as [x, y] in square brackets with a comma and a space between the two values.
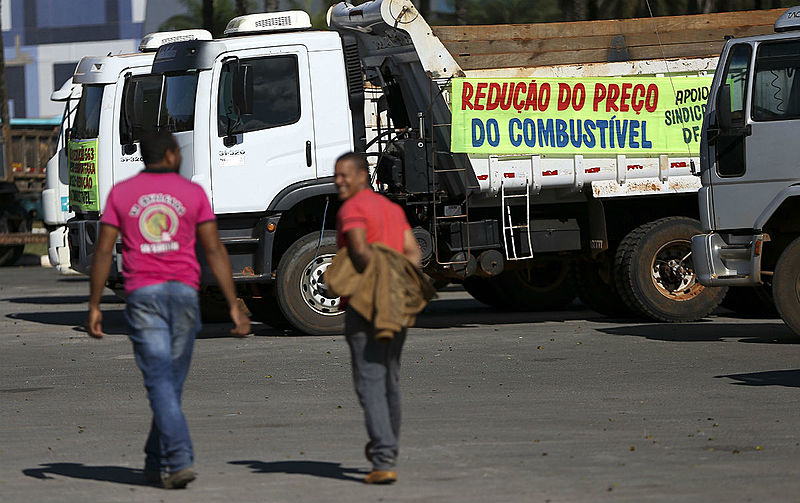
[276, 95]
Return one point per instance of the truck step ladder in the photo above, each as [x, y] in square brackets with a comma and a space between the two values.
[510, 228]
[441, 216]
[440, 213]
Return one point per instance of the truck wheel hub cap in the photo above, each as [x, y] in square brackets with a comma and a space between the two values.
[314, 291]
[673, 271]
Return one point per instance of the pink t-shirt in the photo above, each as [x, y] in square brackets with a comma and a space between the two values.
[384, 220]
[158, 214]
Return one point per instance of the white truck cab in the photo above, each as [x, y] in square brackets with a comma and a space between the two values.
[55, 197]
[297, 121]
[92, 98]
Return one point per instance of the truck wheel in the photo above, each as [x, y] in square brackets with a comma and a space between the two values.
[546, 285]
[10, 254]
[598, 290]
[655, 274]
[213, 306]
[302, 297]
[751, 301]
[786, 286]
[486, 290]
[266, 310]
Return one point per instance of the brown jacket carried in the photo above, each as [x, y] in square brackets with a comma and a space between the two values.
[390, 292]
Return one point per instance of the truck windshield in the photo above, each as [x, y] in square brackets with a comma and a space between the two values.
[87, 117]
[179, 94]
[776, 91]
[157, 101]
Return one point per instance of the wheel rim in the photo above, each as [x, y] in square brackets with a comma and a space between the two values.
[314, 291]
[672, 271]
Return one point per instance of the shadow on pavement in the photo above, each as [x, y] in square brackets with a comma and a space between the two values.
[761, 333]
[788, 378]
[317, 468]
[113, 320]
[64, 299]
[77, 278]
[455, 313]
[117, 474]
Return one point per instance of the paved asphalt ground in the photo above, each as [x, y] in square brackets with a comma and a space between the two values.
[522, 407]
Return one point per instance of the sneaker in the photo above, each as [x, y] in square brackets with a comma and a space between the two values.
[179, 479]
[381, 477]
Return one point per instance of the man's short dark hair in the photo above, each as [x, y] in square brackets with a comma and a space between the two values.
[155, 146]
[359, 160]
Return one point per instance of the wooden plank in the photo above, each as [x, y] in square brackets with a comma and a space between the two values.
[598, 42]
[507, 60]
[608, 27]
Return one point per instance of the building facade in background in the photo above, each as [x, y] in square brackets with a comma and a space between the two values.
[45, 39]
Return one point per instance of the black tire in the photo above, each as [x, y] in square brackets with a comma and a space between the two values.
[213, 306]
[751, 301]
[546, 285]
[266, 310]
[486, 291]
[10, 254]
[439, 283]
[306, 306]
[786, 286]
[597, 288]
[655, 275]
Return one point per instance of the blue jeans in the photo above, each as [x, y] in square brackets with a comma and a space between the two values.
[376, 375]
[165, 319]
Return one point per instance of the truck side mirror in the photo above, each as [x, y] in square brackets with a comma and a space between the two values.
[724, 117]
[243, 89]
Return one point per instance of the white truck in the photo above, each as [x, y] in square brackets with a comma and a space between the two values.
[750, 198]
[262, 114]
[91, 111]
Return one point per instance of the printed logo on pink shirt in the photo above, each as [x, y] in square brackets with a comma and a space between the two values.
[158, 216]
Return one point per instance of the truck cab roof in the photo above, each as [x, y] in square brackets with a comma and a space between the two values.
[201, 54]
[106, 69]
[786, 35]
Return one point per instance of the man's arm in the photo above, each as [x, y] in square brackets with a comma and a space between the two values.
[357, 248]
[411, 248]
[217, 259]
[101, 264]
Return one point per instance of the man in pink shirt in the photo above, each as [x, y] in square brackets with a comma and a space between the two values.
[364, 218]
[161, 215]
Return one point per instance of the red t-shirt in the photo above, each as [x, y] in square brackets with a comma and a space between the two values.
[158, 214]
[384, 220]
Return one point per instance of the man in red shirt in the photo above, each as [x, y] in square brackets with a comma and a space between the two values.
[365, 218]
[161, 215]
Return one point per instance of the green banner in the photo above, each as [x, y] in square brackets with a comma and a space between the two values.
[83, 193]
[590, 116]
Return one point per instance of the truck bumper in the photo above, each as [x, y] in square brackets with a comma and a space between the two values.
[728, 260]
[81, 238]
[58, 249]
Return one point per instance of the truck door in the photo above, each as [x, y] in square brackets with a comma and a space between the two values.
[753, 160]
[255, 155]
[727, 143]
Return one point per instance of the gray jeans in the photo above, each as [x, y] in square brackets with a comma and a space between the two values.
[376, 368]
